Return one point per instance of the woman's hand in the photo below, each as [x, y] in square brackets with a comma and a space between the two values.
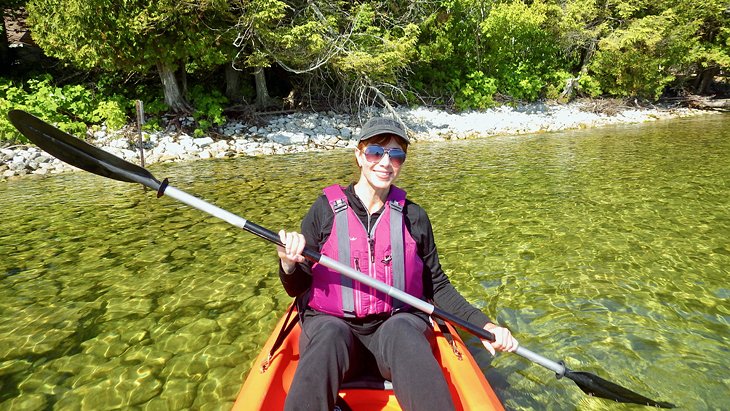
[291, 253]
[503, 340]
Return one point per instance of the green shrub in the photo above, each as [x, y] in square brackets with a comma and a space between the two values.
[209, 105]
[643, 58]
[523, 47]
[589, 86]
[556, 84]
[476, 93]
[71, 108]
[112, 113]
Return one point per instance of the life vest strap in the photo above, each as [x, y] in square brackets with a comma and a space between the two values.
[339, 207]
[398, 265]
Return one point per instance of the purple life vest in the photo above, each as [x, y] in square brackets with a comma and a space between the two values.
[389, 254]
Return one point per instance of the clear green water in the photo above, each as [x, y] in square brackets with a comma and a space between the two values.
[608, 248]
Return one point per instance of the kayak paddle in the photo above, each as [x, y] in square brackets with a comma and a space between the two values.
[78, 153]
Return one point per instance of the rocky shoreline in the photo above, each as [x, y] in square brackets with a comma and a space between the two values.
[304, 131]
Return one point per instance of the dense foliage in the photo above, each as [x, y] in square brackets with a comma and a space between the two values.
[134, 36]
[461, 54]
[70, 107]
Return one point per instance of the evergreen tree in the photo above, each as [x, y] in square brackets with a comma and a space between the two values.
[169, 36]
[352, 50]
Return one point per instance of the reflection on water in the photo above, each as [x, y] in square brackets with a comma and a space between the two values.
[605, 248]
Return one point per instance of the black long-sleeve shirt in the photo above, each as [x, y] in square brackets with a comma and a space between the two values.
[316, 228]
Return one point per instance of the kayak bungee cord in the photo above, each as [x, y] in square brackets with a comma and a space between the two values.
[78, 153]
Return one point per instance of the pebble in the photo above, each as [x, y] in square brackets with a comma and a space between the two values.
[328, 131]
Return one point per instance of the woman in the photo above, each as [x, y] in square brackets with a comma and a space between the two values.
[372, 227]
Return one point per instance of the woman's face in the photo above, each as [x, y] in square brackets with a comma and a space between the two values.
[382, 173]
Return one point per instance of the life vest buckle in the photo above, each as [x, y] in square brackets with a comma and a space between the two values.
[395, 205]
[339, 205]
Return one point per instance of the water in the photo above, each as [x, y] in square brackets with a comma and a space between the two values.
[605, 248]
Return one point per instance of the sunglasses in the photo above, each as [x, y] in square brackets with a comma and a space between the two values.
[374, 153]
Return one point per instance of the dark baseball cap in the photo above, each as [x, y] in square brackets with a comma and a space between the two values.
[383, 125]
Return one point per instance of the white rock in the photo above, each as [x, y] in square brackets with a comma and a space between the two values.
[221, 145]
[122, 143]
[187, 143]
[204, 141]
[129, 154]
[173, 149]
[326, 130]
[289, 138]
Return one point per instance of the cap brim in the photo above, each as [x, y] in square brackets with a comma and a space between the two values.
[385, 130]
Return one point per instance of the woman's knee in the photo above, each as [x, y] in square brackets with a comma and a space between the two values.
[406, 326]
[404, 346]
[327, 331]
[405, 335]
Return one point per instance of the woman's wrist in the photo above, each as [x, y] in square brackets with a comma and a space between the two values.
[288, 268]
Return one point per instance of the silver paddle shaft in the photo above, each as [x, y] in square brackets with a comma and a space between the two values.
[347, 271]
[195, 202]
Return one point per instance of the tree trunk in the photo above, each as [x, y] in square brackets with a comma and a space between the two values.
[263, 99]
[705, 79]
[569, 89]
[4, 49]
[182, 78]
[233, 84]
[572, 83]
[173, 97]
[706, 103]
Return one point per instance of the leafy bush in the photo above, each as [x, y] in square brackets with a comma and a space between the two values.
[71, 108]
[476, 93]
[589, 86]
[642, 59]
[448, 52]
[556, 84]
[209, 106]
[112, 113]
[522, 44]
[154, 105]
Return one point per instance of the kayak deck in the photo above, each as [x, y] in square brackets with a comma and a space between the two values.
[268, 381]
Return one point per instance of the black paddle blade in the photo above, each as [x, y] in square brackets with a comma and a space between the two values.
[78, 153]
[594, 385]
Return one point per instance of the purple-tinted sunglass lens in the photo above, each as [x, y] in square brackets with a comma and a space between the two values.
[373, 153]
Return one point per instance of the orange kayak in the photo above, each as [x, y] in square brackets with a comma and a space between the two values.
[268, 382]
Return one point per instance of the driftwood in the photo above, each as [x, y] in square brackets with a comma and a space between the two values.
[708, 103]
[699, 102]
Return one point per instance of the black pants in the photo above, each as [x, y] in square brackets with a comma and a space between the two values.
[330, 349]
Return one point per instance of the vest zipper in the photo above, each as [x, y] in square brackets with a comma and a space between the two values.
[356, 286]
[371, 236]
[371, 242]
[370, 231]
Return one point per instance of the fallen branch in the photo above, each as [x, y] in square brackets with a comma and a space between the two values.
[708, 103]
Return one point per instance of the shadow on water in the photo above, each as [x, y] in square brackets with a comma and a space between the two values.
[605, 248]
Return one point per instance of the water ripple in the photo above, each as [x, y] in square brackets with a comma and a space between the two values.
[605, 248]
